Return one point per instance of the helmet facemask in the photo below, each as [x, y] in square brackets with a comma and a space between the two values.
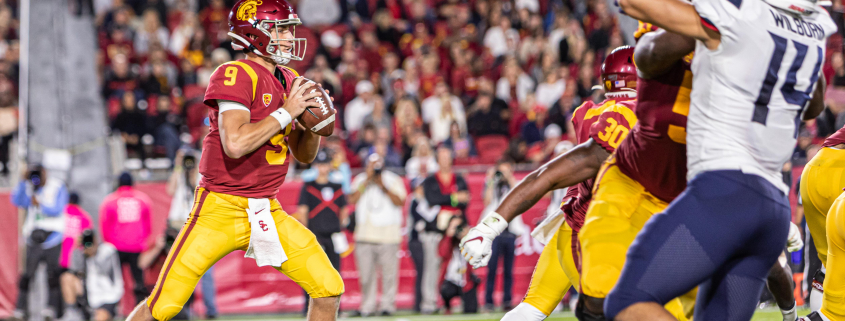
[295, 46]
[280, 50]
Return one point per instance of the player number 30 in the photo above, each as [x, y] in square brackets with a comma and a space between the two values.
[613, 133]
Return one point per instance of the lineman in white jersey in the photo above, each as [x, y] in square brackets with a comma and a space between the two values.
[756, 65]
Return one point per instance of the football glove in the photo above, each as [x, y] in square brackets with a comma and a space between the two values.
[477, 245]
[794, 243]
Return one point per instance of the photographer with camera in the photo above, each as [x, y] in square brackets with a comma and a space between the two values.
[180, 186]
[94, 282]
[378, 197]
[499, 181]
[44, 200]
[456, 277]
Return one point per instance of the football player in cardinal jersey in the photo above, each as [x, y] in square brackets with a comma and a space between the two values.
[253, 103]
[599, 128]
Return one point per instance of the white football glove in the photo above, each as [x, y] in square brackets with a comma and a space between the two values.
[794, 243]
[477, 245]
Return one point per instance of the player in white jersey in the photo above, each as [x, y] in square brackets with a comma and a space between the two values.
[756, 65]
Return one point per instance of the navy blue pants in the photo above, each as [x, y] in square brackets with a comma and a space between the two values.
[504, 247]
[723, 233]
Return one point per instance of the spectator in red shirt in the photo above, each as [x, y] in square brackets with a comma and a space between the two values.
[125, 221]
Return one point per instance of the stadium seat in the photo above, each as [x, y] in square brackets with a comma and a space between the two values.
[491, 148]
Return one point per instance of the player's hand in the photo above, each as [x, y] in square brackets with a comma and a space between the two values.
[794, 243]
[477, 245]
[297, 100]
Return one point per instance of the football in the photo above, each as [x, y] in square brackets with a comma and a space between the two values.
[319, 120]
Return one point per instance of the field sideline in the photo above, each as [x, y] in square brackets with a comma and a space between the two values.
[769, 314]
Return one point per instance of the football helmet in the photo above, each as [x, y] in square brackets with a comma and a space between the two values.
[251, 23]
[619, 74]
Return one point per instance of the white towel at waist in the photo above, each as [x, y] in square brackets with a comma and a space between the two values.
[264, 244]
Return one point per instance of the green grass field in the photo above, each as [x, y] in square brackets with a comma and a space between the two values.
[770, 314]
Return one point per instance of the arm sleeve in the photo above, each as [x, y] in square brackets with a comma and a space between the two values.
[226, 105]
[612, 126]
[58, 204]
[231, 82]
[19, 196]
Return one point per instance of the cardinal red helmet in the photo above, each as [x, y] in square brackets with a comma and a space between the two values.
[251, 23]
[618, 72]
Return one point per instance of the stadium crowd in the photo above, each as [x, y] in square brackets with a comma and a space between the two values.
[422, 84]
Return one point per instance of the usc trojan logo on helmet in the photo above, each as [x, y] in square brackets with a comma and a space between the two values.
[248, 9]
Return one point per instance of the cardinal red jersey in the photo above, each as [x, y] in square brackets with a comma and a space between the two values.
[655, 154]
[607, 123]
[837, 138]
[261, 172]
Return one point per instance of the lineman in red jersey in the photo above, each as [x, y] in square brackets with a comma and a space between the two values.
[652, 161]
[253, 103]
[599, 129]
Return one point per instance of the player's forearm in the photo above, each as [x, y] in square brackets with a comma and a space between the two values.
[248, 137]
[817, 102]
[673, 15]
[304, 145]
[577, 165]
[658, 51]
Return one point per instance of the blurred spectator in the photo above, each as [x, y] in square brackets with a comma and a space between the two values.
[389, 75]
[541, 152]
[94, 279]
[389, 156]
[125, 221]
[323, 209]
[379, 117]
[838, 65]
[446, 189]
[498, 183]
[8, 129]
[440, 110]
[119, 43]
[456, 277]
[515, 84]
[119, 77]
[586, 80]
[551, 89]
[560, 112]
[532, 130]
[340, 172]
[460, 143]
[76, 220]
[423, 240]
[357, 109]
[317, 13]
[367, 138]
[488, 114]
[131, 124]
[408, 120]
[214, 20]
[422, 162]
[165, 127]
[44, 199]
[151, 31]
[378, 197]
[181, 185]
[500, 38]
[183, 32]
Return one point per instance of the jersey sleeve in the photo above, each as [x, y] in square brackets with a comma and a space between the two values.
[613, 125]
[231, 81]
[717, 14]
